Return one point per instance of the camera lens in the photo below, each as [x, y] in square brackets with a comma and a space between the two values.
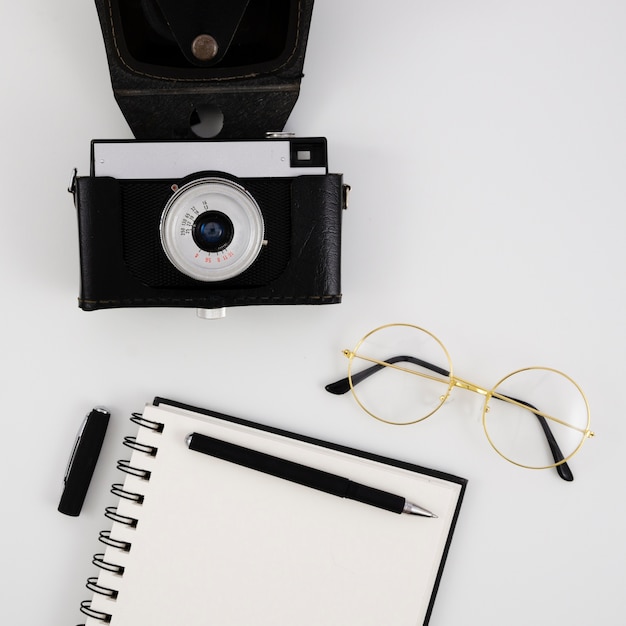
[213, 231]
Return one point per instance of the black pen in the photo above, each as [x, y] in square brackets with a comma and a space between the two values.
[83, 459]
[303, 475]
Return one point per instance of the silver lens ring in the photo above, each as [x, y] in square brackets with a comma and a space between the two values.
[190, 206]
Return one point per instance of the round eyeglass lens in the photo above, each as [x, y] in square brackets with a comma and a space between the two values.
[400, 374]
[536, 417]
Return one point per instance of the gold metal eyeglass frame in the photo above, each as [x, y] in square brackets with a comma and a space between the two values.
[452, 381]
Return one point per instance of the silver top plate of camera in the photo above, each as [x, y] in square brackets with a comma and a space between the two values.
[136, 159]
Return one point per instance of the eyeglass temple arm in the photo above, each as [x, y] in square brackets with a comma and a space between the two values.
[342, 386]
[563, 469]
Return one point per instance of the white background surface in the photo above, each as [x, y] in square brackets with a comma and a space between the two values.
[485, 145]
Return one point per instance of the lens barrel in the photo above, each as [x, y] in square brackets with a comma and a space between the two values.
[212, 229]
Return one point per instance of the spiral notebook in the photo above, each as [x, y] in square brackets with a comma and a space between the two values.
[195, 540]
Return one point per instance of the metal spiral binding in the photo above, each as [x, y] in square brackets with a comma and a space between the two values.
[92, 585]
[140, 420]
[85, 608]
[107, 540]
[125, 466]
[98, 561]
[118, 490]
[131, 442]
[112, 514]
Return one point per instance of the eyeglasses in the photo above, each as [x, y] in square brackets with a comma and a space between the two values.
[535, 417]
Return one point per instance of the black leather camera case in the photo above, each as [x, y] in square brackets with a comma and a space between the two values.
[123, 265]
[169, 59]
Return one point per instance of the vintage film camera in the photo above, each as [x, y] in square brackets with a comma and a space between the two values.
[209, 224]
[176, 219]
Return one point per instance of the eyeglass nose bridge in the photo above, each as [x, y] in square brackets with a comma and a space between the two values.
[465, 384]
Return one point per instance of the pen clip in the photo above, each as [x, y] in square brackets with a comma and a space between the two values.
[79, 436]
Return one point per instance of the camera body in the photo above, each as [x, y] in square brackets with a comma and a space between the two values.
[209, 224]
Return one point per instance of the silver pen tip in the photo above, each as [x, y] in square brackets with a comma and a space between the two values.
[414, 509]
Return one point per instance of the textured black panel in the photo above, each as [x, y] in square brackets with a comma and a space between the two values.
[142, 205]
